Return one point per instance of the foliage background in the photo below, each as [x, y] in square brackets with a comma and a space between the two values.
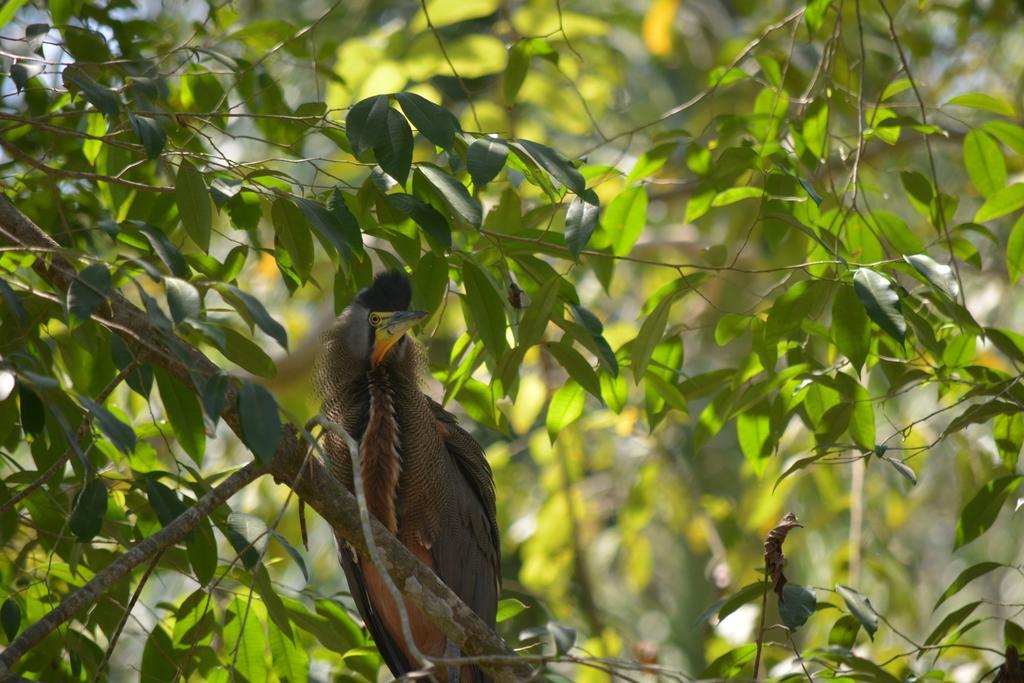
[747, 158]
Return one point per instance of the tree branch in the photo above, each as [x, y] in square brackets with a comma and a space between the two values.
[317, 488]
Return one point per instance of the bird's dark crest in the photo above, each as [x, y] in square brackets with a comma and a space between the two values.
[390, 291]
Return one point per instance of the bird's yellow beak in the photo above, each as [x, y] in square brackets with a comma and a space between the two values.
[391, 330]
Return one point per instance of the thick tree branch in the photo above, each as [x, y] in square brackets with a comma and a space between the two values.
[316, 487]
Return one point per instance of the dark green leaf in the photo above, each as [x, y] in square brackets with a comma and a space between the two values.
[796, 605]
[164, 501]
[247, 535]
[564, 637]
[193, 201]
[424, 215]
[580, 221]
[184, 413]
[538, 314]
[651, 332]
[433, 122]
[293, 231]
[365, 123]
[12, 301]
[248, 354]
[333, 227]
[159, 662]
[10, 618]
[556, 165]
[981, 511]
[33, 414]
[87, 291]
[261, 424]
[201, 547]
[104, 99]
[257, 313]
[860, 607]
[120, 434]
[951, 621]
[182, 299]
[485, 158]
[965, 577]
[394, 146]
[455, 194]
[164, 249]
[486, 307]
[881, 301]
[212, 395]
[293, 553]
[89, 510]
[151, 134]
[850, 327]
[575, 365]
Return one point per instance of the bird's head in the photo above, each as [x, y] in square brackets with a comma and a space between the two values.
[374, 325]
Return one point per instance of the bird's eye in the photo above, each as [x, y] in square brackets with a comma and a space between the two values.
[375, 319]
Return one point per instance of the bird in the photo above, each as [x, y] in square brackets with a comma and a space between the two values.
[425, 477]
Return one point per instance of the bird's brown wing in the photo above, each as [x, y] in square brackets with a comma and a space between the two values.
[467, 554]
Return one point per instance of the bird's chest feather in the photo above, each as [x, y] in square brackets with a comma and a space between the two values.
[404, 461]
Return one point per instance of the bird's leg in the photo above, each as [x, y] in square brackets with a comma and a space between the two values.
[452, 651]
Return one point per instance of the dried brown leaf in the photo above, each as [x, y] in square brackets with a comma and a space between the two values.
[774, 560]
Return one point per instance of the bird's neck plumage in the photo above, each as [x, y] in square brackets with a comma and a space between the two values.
[381, 449]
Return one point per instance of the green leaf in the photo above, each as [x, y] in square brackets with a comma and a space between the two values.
[581, 220]
[247, 535]
[333, 227]
[293, 553]
[1010, 134]
[515, 71]
[486, 307]
[1008, 431]
[104, 99]
[10, 618]
[860, 607]
[938, 275]
[731, 663]
[120, 434]
[394, 146]
[920, 191]
[248, 354]
[87, 291]
[815, 13]
[850, 327]
[164, 501]
[897, 232]
[251, 307]
[151, 134]
[816, 128]
[424, 215]
[184, 413]
[556, 165]
[796, 605]
[485, 158]
[261, 424]
[435, 123]
[538, 314]
[293, 231]
[981, 511]
[193, 200]
[89, 509]
[754, 433]
[509, 608]
[565, 408]
[575, 365]
[964, 578]
[984, 102]
[201, 547]
[454, 193]
[985, 163]
[245, 639]
[1015, 251]
[951, 621]
[159, 662]
[844, 632]
[651, 332]
[33, 414]
[881, 301]
[290, 660]
[651, 161]
[164, 249]
[182, 299]
[366, 122]
[625, 218]
[1004, 201]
